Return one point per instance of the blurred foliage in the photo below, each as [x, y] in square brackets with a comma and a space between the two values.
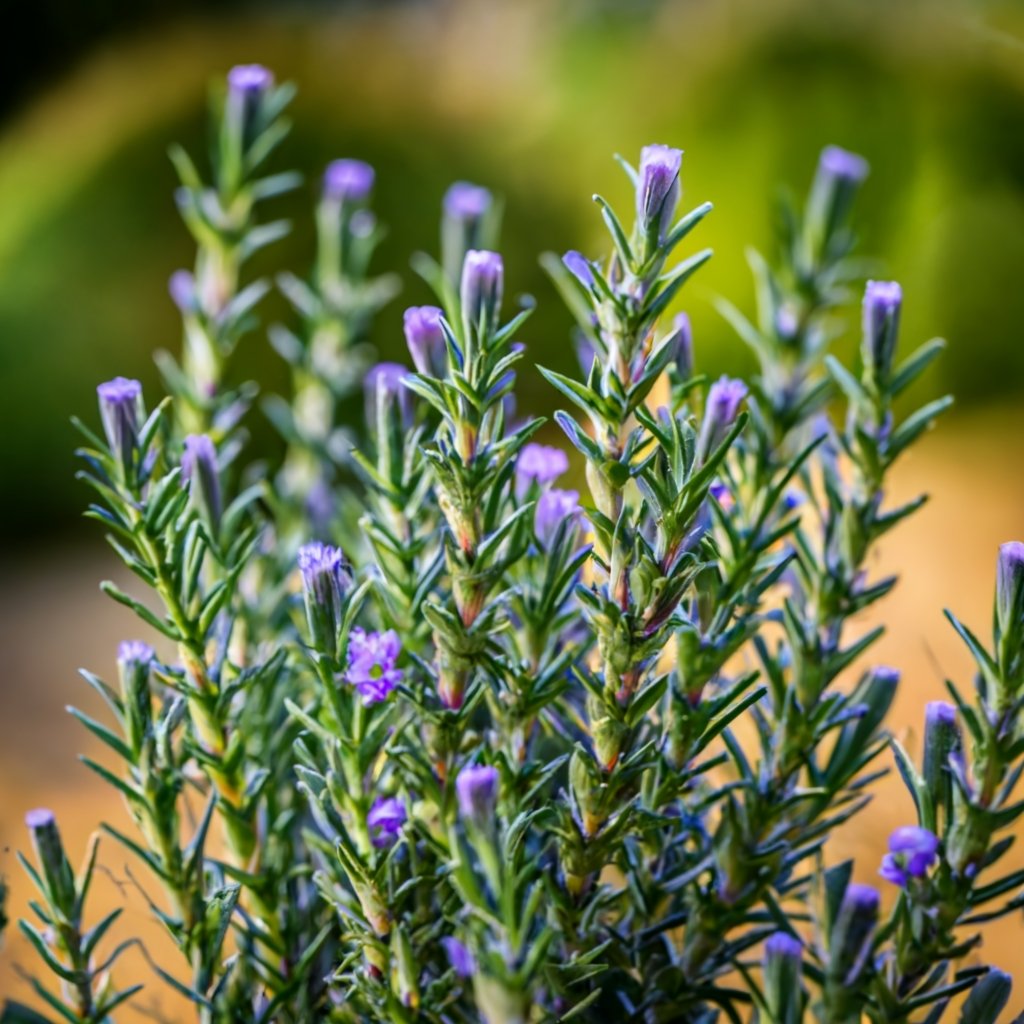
[530, 98]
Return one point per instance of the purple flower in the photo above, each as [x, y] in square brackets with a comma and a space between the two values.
[120, 411]
[182, 288]
[941, 741]
[850, 940]
[579, 266]
[843, 166]
[554, 507]
[939, 713]
[348, 181]
[1010, 585]
[135, 652]
[720, 412]
[684, 346]
[658, 189]
[783, 946]
[249, 80]
[476, 789]
[372, 664]
[385, 820]
[425, 337]
[483, 276]
[459, 957]
[466, 202]
[912, 851]
[42, 824]
[881, 314]
[539, 463]
[385, 391]
[325, 582]
[199, 470]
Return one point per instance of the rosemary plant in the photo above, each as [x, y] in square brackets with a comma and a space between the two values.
[428, 736]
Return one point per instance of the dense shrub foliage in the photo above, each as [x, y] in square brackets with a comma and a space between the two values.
[428, 736]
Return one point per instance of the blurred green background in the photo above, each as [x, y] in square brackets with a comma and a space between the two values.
[531, 98]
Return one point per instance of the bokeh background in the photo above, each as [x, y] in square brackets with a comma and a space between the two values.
[530, 97]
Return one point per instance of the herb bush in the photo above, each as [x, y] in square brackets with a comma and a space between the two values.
[432, 738]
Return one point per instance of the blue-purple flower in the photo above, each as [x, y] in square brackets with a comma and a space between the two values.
[554, 507]
[425, 337]
[42, 825]
[466, 202]
[120, 410]
[460, 958]
[182, 288]
[476, 788]
[541, 464]
[842, 165]
[720, 411]
[385, 820]
[326, 580]
[850, 939]
[782, 945]
[135, 652]
[373, 664]
[348, 181]
[912, 851]
[483, 278]
[248, 80]
[881, 314]
[658, 188]
[199, 470]
[579, 266]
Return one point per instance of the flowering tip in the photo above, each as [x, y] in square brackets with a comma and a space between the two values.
[348, 181]
[722, 407]
[465, 201]
[881, 312]
[912, 851]
[684, 346]
[940, 712]
[784, 946]
[539, 463]
[385, 390]
[385, 820]
[136, 652]
[199, 470]
[554, 507]
[483, 278]
[373, 664]
[246, 79]
[424, 335]
[325, 581]
[843, 165]
[1010, 585]
[40, 817]
[182, 288]
[120, 402]
[476, 789]
[579, 266]
[460, 958]
[862, 897]
[658, 188]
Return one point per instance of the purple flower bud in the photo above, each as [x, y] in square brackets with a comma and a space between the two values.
[121, 410]
[182, 288]
[483, 275]
[1010, 586]
[135, 652]
[554, 507]
[782, 945]
[134, 660]
[386, 392]
[466, 202]
[579, 266]
[385, 821]
[842, 165]
[326, 580]
[850, 941]
[720, 412]
[941, 741]
[459, 957]
[476, 788]
[348, 181]
[540, 464]
[466, 213]
[658, 188]
[684, 350]
[249, 80]
[912, 851]
[787, 323]
[425, 337]
[882, 301]
[373, 664]
[42, 824]
[199, 470]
